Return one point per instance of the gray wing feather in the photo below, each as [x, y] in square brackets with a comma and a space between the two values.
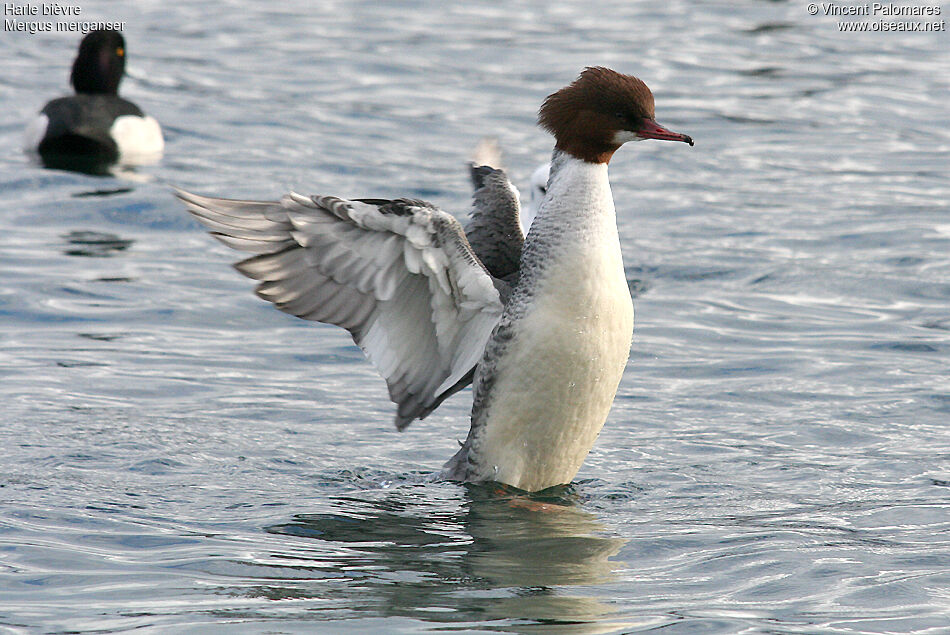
[494, 229]
[400, 276]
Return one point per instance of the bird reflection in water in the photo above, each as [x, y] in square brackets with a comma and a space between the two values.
[481, 552]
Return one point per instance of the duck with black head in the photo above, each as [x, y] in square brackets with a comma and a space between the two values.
[95, 125]
[540, 325]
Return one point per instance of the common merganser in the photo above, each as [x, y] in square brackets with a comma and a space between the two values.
[95, 124]
[542, 327]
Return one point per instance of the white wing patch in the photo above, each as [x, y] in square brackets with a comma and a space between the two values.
[139, 139]
[34, 133]
[398, 275]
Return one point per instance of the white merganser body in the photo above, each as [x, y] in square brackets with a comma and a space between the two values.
[542, 326]
[550, 373]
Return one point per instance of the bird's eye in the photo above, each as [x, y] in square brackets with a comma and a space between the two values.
[120, 51]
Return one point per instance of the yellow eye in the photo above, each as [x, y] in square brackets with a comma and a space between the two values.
[120, 51]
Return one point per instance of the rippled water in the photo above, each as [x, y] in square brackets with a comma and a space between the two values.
[181, 457]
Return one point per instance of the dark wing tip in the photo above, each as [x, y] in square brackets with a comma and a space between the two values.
[478, 174]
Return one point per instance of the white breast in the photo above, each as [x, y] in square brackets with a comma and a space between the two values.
[557, 379]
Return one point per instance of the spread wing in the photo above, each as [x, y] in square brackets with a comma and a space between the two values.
[486, 156]
[399, 275]
[494, 229]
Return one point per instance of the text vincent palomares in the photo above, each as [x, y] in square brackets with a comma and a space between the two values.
[877, 9]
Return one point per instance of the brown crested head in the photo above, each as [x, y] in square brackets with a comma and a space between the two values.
[599, 112]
